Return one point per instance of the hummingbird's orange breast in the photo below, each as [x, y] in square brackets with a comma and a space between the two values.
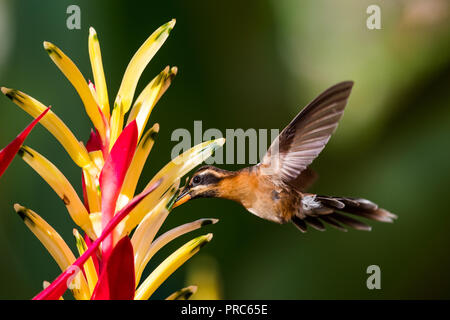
[260, 195]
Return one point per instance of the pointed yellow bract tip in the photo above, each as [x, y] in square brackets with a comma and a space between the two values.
[92, 31]
[18, 207]
[192, 289]
[48, 45]
[220, 141]
[172, 23]
[208, 236]
[5, 90]
[183, 294]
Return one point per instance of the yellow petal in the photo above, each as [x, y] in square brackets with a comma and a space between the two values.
[183, 294]
[149, 97]
[93, 92]
[73, 74]
[60, 185]
[136, 166]
[96, 220]
[97, 157]
[147, 229]
[147, 249]
[131, 77]
[116, 122]
[92, 192]
[169, 265]
[175, 169]
[97, 70]
[54, 244]
[138, 63]
[152, 220]
[89, 268]
[55, 125]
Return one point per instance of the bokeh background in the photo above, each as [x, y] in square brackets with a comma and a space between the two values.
[254, 64]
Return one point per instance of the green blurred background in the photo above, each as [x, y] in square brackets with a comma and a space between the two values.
[255, 64]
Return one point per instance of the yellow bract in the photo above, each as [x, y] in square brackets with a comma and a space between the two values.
[54, 244]
[97, 70]
[169, 265]
[55, 125]
[61, 186]
[92, 192]
[136, 166]
[175, 169]
[132, 74]
[147, 229]
[183, 294]
[138, 63]
[75, 77]
[149, 97]
[89, 268]
[149, 248]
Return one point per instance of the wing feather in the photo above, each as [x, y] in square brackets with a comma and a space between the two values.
[306, 136]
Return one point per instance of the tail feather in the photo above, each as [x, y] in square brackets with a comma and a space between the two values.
[331, 211]
[355, 224]
[300, 224]
[333, 223]
[315, 223]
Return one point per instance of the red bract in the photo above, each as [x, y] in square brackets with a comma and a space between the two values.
[117, 281]
[113, 174]
[95, 142]
[57, 288]
[7, 154]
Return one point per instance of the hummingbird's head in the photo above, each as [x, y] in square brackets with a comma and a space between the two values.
[205, 183]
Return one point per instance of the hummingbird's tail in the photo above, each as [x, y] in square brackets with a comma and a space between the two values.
[319, 209]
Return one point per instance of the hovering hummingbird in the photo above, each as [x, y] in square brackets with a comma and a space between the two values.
[275, 188]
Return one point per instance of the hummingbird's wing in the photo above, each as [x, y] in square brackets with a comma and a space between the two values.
[306, 136]
[304, 180]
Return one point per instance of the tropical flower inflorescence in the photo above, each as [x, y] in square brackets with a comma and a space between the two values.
[116, 229]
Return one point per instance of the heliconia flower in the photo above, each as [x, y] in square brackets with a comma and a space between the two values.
[111, 261]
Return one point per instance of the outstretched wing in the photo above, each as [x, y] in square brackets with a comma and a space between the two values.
[306, 136]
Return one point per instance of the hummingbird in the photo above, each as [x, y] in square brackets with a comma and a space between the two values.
[275, 189]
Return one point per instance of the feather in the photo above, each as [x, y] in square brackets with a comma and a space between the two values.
[306, 136]
[299, 223]
[315, 223]
[326, 209]
[333, 223]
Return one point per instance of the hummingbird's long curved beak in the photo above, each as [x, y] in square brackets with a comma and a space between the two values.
[182, 198]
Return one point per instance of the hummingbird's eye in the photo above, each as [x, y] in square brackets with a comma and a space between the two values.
[196, 180]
